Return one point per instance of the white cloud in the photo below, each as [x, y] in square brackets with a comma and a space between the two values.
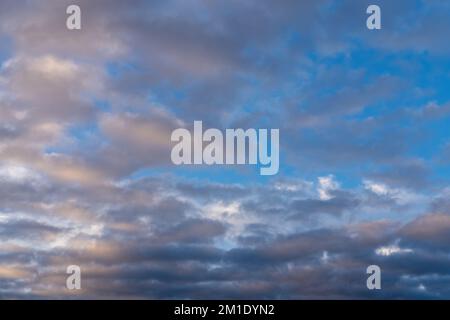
[53, 66]
[401, 196]
[421, 287]
[326, 184]
[325, 257]
[391, 250]
[19, 174]
[377, 188]
[294, 186]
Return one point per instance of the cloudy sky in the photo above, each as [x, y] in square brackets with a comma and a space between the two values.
[85, 170]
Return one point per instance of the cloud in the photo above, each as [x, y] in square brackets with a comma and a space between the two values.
[390, 250]
[86, 177]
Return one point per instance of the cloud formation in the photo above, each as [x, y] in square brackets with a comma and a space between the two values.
[85, 171]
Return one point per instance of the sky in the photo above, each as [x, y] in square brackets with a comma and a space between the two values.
[86, 176]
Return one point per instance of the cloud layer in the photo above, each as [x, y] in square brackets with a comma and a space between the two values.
[85, 170]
